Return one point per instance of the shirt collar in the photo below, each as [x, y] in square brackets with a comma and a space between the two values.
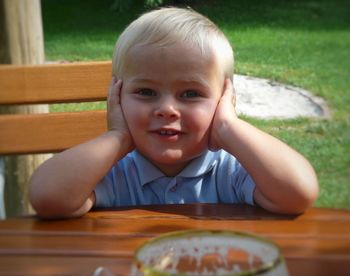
[146, 170]
[199, 166]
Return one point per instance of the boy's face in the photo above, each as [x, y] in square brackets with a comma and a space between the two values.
[169, 98]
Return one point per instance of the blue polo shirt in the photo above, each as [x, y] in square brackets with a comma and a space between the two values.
[213, 177]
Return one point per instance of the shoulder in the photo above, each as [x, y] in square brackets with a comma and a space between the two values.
[130, 159]
[227, 166]
[134, 167]
[126, 164]
[224, 158]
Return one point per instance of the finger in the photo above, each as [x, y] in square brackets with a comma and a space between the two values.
[114, 93]
[228, 86]
[229, 93]
[228, 90]
[234, 97]
[112, 82]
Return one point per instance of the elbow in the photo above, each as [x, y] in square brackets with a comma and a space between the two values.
[47, 207]
[302, 198]
[40, 194]
[46, 202]
[300, 203]
[296, 199]
[309, 195]
[37, 195]
[303, 191]
[43, 206]
[308, 190]
[43, 203]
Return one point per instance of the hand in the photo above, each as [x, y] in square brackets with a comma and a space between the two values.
[224, 114]
[115, 117]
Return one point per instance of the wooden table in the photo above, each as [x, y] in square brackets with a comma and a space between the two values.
[315, 243]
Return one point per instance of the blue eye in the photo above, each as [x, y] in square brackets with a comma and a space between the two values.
[146, 92]
[190, 94]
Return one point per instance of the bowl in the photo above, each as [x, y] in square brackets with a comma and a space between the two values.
[208, 252]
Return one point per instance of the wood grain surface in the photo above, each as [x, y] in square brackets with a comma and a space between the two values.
[314, 243]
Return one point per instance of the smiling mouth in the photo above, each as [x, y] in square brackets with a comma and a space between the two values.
[168, 132]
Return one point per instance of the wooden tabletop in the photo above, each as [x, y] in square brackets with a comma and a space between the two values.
[315, 243]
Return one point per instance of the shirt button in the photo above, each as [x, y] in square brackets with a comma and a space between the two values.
[173, 189]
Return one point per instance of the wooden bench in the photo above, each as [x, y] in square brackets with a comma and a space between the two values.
[52, 83]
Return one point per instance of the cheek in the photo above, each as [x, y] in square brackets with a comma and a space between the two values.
[203, 116]
[136, 115]
[130, 112]
[127, 104]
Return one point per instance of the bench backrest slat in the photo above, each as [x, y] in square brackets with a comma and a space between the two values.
[54, 83]
[43, 133]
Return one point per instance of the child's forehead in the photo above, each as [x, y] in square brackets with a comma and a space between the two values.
[177, 52]
[173, 65]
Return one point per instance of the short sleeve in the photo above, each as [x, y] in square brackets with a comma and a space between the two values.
[104, 192]
[244, 186]
[235, 184]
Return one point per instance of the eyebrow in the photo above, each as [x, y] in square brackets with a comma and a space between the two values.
[195, 80]
[140, 79]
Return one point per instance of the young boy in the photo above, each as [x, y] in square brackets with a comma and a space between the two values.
[173, 133]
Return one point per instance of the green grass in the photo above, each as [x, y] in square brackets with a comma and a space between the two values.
[299, 42]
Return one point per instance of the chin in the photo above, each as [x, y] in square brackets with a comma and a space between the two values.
[175, 156]
[168, 157]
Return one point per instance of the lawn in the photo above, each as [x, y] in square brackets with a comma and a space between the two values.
[299, 42]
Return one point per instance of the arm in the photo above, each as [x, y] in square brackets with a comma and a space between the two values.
[63, 185]
[285, 180]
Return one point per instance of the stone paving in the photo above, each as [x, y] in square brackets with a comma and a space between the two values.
[262, 98]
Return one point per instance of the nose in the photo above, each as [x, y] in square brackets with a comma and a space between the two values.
[167, 108]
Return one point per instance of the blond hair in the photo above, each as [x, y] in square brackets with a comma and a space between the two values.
[169, 26]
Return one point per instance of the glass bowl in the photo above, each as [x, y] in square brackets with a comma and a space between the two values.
[208, 252]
